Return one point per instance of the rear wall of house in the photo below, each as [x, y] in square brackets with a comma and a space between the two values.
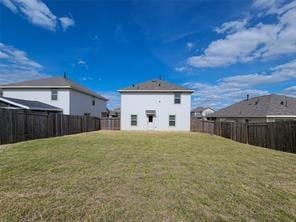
[41, 95]
[162, 103]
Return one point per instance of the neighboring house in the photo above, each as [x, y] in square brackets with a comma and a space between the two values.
[111, 113]
[115, 112]
[201, 112]
[60, 92]
[11, 103]
[155, 105]
[269, 108]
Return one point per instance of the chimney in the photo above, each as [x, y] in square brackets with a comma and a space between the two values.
[65, 75]
[248, 96]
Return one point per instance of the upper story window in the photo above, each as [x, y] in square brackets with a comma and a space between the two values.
[134, 120]
[177, 98]
[54, 94]
[93, 101]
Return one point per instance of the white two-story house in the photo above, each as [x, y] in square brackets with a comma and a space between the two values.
[155, 105]
[70, 97]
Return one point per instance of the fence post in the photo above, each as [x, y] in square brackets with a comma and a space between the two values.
[247, 132]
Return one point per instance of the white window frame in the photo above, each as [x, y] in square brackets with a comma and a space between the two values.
[54, 94]
[134, 120]
[177, 98]
[172, 120]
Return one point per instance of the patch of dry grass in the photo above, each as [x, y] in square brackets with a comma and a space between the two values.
[125, 176]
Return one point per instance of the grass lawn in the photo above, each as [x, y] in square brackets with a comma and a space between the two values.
[124, 176]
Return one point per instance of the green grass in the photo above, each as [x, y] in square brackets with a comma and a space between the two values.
[124, 176]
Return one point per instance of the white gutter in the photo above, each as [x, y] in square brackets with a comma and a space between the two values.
[136, 90]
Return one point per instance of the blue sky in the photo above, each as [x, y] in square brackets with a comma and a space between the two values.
[223, 50]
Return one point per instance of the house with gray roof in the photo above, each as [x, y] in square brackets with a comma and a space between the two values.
[268, 108]
[60, 92]
[155, 105]
[201, 112]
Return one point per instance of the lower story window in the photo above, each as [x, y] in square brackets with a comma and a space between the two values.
[134, 120]
[172, 120]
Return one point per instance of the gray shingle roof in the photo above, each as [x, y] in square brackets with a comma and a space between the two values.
[156, 85]
[32, 105]
[54, 82]
[260, 106]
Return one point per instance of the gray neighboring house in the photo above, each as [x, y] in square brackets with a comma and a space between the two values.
[20, 104]
[201, 112]
[268, 108]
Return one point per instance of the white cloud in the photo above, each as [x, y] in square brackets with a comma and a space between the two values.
[190, 45]
[66, 22]
[231, 27]
[3, 55]
[290, 91]
[81, 62]
[37, 13]
[17, 66]
[231, 89]
[113, 99]
[261, 41]
[268, 6]
[9, 5]
[181, 69]
[281, 73]
[86, 78]
[220, 94]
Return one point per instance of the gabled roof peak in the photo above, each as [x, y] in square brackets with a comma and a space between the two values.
[155, 85]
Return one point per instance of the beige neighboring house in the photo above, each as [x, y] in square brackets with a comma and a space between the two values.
[201, 112]
[268, 108]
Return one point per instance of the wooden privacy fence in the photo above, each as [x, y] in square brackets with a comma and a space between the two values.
[20, 125]
[110, 123]
[274, 135]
